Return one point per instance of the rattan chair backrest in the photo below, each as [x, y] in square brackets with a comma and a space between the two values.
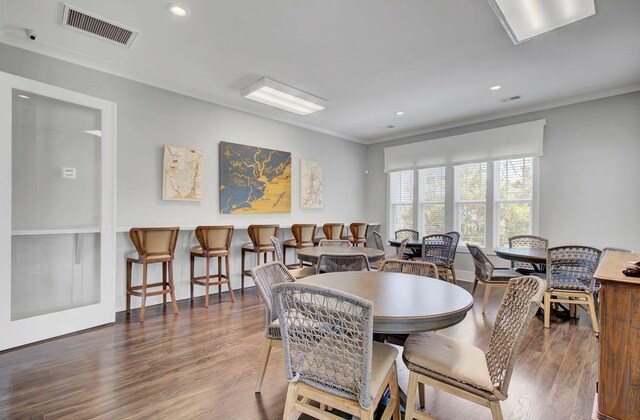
[214, 238]
[454, 244]
[519, 304]
[327, 339]
[333, 230]
[418, 268]
[151, 242]
[335, 242]
[526, 241]
[437, 248]
[483, 266]
[572, 267]
[378, 240]
[401, 248]
[304, 234]
[260, 235]
[278, 246]
[407, 234]
[331, 263]
[265, 277]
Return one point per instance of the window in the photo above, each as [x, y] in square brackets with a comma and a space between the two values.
[514, 198]
[432, 193]
[401, 200]
[471, 202]
[487, 202]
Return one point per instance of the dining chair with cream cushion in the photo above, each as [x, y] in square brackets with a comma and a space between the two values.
[298, 272]
[265, 277]
[451, 267]
[466, 371]
[329, 354]
[487, 274]
[436, 249]
[153, 246]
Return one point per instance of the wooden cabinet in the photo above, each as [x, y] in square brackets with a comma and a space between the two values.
[619, 369]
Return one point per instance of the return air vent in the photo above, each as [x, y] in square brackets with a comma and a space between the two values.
[97, 26]
[511, 98]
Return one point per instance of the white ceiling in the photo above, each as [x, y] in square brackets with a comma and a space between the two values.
[432, 59]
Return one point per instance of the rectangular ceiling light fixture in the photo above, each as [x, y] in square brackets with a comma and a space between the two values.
[285, 97]
[524, 19]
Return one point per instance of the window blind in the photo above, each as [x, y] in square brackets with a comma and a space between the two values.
[401, 191]
[471, 202]
[432, 200]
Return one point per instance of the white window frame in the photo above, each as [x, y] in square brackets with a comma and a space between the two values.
[451, 204]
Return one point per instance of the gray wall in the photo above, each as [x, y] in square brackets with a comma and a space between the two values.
[588, 175]
[149, 117]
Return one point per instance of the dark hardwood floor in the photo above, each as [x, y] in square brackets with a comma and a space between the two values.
[203, 363]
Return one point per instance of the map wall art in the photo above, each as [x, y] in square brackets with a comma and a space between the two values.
[311, 184]
[254, 180]
[182, 173]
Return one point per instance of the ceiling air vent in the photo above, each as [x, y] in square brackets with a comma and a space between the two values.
[97, 26]
[511, 98]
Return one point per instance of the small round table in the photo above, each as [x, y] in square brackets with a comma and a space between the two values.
[402, 303]
[312, 254]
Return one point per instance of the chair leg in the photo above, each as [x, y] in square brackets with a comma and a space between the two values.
[393, 392]
[592, 313]
[144, 292]
[284, 255]
[453, 274]
[172, 289]
[289, 406]
[421, 395]
[473, 289]
[219, 276]
[191, 271]
[129, 264]
[485, 301]
[496, 411]
[164, 283]
[266, 351]
[206, 281]
[411, 396]
[226, 259]
[242, 273]
[547, 309]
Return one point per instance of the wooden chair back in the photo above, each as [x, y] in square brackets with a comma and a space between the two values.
[333, 230]
[152, 242]
[214, 238]
[304, 234]
[359, 230]
[260, 235]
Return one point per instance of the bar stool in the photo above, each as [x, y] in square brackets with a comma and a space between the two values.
[358, 234]
[153, 245]
[303, 237]
[260, 236]
[215, 241]
[331, 231]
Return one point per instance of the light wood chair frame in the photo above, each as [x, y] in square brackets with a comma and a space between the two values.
[254, 235]
[359, 232]
[582, 298]
[202, 236]
[139, 239]
[297, 231]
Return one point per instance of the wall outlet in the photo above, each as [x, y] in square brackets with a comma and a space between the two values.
[68, 173]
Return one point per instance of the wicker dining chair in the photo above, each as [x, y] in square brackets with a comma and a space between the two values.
[329, 354]
[407, 234]
[570, 280]
[452, 254]
[418, 268]
[436, 249]
[526, 241]
[303, 237]
[487, 274]
[466, 371]
[332, 263]
[265, 277]
[298, 272]
[334, 242]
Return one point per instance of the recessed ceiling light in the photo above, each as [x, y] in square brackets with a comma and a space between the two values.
[23, 96]
[496, 87]
[399, 113]
[177, 10]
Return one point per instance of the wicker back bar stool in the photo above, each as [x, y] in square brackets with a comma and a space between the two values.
[526, 241]
[215, 242]
[153, 246]
[260, 236]
[359, 233]
[331, 231]
[303, 237]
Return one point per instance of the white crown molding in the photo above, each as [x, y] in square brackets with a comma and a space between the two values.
[8, 37]
[585, 97]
